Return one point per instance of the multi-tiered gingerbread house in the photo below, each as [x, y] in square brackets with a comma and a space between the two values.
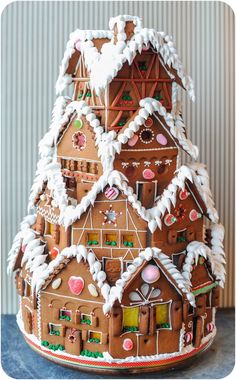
[115, 267]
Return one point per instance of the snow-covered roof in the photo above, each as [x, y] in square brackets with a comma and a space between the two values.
[180, 283]
[104, 65]
[214, 255]
[199, 177]
[47, 167]
[149, 106]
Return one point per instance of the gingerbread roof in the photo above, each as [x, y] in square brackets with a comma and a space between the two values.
[215, 255]
[104, 65]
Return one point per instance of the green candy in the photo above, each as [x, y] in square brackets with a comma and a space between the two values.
[78, 123]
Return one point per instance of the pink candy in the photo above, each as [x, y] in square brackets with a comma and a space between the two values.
[76, 285]
[111, 193]
[133, 140]
[148, 174]
[161, 139]
[150, 274]
[128, 344]
[78, 45]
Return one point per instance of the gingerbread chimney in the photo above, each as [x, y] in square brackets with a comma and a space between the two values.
[124, 27]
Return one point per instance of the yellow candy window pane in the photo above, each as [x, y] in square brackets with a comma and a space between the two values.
[162, 313]
[130, 316]
[95, 335]
[50, 228]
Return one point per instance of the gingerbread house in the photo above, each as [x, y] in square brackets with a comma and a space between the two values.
[119, 262]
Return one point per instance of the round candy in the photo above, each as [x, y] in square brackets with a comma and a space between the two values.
[161, 139]
[194, 215]
[54, 252]
[76, 285]
[56, 283]
[78, 123]
[111, 193]
[148, 174]
[148, 123]
[128, 344]
[169, 219]
[133, 140]
[183, 194]
[150, 273]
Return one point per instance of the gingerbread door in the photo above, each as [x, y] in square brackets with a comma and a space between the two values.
[113, 270]
[73, 341]
[198, 325]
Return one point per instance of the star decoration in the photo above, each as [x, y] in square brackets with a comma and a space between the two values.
[110, 216]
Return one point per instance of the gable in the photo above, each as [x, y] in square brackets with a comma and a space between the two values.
[140, 289]
[200, 274]
[74, 281]
[78, 140]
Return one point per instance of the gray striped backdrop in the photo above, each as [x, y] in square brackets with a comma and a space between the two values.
[34, 36]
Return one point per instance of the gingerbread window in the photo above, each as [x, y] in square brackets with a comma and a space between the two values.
[94, 337]
[86, 319]
[181, 236]
[48, 228]
[92, 238]
[27, 289]
[111, 239]
[65, 315]
[54, 329]
[128, 240]
[130, 318]
[163, 316]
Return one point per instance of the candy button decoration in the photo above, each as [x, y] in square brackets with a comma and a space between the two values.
[56, 283]
[148, 174]
[183, 194]
[128, 344]
[210, 327]
[194, 215]
[92, 290]
[111, 193]
[133, 140]
[79, 141]
[169, 220]
[78, 123]
[76, 285]
[150, 274]
[161, 139]
[188, 337]
[54, 252]
[148, 123]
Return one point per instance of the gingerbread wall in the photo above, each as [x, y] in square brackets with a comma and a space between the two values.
[69, 291]
[180, 226]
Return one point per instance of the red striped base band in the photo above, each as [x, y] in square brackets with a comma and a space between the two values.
[89, 365]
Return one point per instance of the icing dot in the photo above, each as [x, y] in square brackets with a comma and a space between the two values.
[133, 140]
[128, 344]
[150, 274]
[148, 174]
[161, 139]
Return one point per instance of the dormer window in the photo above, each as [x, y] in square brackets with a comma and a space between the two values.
[142, 66]
[122, 121]
[157, 95]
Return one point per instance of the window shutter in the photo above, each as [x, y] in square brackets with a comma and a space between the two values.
[143, 319]
[172, 237]
[104, 339]
[152, 321]
[76, 317]
[176, 315]
[200, 305]
[215, 297]
[94, 321]
[190, 234]
[63, 330]
[45, 328]
[56, 233]
[56, 314]
[20, 284]
[84, 335]
[116, 321]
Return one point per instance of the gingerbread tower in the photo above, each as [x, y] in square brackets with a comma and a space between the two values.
[119, 263]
